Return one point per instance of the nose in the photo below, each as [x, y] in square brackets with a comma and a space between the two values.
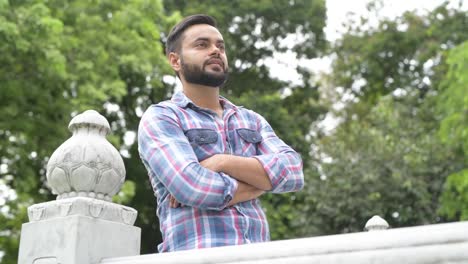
[215, 49]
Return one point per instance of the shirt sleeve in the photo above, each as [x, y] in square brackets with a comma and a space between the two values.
[166, 151]
[282, 164]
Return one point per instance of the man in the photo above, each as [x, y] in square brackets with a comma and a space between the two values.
[209, 160]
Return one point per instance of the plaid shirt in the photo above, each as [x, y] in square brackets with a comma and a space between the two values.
[174, 136]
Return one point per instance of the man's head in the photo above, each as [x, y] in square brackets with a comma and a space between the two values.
[195, 49]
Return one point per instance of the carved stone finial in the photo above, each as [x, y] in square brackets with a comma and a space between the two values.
[90, 118]
[376, 223]
[86, 165]
[82, 225]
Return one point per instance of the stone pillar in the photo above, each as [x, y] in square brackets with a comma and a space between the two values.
[82, 226]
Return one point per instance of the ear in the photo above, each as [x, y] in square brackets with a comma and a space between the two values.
[174, 60]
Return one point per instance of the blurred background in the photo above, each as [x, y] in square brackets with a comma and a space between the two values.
[373, 94]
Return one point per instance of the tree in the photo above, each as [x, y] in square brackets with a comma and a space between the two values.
[401, 55]
[390, 163]
[386, 157]
[453, 107]
[57, 59]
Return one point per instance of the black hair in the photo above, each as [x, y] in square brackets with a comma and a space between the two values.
[173, 43]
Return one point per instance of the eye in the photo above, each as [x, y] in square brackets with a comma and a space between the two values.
[201, 45]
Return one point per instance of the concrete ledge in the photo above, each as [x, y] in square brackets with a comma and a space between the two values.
[441, 243]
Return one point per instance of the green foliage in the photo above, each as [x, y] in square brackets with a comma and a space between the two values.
[389, 163]
[11, 226]
[386, 156]
[58, 58]
[453, 107]
[454, 198]
[453, 100]
[126, 193]
[398, 54]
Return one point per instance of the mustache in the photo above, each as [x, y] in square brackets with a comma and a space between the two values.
[214, 60]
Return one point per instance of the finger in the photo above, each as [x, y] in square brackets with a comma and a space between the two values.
[176, 203]
[171, 201]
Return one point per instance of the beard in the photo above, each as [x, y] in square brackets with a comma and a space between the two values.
[197, 75]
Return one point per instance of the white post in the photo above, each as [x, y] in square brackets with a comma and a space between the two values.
[376, 223]
[82, 226]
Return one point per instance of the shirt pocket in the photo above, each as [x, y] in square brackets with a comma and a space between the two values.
[249, 141]
[203, 141]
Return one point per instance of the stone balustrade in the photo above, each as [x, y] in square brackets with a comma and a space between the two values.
[441, 243]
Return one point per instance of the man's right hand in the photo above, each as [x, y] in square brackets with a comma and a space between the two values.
[173, 203]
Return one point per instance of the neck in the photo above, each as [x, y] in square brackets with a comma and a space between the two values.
[203, 96]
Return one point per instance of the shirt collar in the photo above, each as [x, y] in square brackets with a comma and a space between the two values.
[181, 100]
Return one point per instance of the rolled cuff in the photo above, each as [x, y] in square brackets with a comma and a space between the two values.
[230, 190]
[272, 168]
[284, 171]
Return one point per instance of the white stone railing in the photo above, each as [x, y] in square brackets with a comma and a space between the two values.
[83, 226]
[441, 243]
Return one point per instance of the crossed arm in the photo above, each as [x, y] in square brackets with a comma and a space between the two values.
[244, 169]
[252, 178]
[221, 180]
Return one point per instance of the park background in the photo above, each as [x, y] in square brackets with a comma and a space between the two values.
[379, 112]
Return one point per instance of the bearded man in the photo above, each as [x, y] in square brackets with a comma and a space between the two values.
[209, 160]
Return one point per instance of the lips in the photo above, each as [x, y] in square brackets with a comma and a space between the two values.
[215, 61]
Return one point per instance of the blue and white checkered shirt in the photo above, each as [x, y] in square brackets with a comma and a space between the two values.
[174, 136]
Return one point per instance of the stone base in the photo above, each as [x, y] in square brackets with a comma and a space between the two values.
[76, 239]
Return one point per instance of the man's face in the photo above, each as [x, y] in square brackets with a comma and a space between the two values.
[203, 59]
